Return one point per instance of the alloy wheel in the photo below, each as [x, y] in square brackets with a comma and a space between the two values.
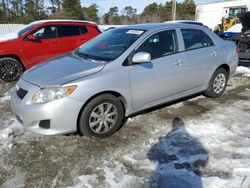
[9, 70]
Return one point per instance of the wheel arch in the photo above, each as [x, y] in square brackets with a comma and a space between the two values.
[14, 56]
[226, 67]
[115, 93]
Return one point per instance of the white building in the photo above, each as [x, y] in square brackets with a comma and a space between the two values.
[210, 14]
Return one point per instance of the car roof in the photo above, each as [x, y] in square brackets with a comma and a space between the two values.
[156, 26]
[185, 21]
[62, 21]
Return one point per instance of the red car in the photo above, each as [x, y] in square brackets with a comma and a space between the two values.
[39, 41]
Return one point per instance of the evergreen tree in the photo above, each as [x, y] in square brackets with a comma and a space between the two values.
[71, 9]
[34, 10]
[90, 13]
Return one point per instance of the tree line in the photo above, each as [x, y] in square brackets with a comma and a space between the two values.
[26, 11]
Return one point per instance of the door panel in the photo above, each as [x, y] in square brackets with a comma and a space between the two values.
[68, 37]
[198, 66]
[160, 78]
[201, 58]
[154, 81]
[44, 47]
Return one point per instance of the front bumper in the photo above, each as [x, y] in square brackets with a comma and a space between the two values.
[244, 61]
[244, 58]
[61, 115]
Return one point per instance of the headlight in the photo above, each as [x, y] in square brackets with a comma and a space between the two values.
[49, 94]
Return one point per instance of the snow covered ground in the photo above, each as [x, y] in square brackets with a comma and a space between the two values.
[195, 143]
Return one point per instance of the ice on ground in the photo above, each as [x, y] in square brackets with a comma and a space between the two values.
[85, 181]
[245, 71]
[112, 175]
[5, 98]
[8, 132]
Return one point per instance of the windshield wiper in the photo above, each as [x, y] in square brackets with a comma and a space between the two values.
[91, 57]
[86, 56]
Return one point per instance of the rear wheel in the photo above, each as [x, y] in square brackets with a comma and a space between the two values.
[10, 69]
[217, 84]
[101, 117]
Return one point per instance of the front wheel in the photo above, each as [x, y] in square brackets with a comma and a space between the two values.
[217, 84]
[101, 117]
[10, 69]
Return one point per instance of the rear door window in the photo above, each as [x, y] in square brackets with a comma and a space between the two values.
[83, 29]
[194, 39]
[68, 30]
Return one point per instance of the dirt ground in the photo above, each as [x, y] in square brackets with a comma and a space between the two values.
[198, 142]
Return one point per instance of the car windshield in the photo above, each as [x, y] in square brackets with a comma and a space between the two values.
[25, 29]
[109, 45]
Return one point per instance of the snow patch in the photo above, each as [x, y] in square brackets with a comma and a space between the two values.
[9, 36]
[5, 98]
[115, 176]
[134, 119]
[245, 71]
[85, 181]
[7, 133]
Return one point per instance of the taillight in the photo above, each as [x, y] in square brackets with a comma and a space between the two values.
[238, 50]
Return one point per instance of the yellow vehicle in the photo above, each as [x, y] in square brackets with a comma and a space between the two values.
[220, 15]
[231, 16]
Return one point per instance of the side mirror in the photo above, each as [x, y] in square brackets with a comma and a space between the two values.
[141, 57]
[31, 38]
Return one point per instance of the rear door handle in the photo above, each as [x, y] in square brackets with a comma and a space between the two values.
[179, 62]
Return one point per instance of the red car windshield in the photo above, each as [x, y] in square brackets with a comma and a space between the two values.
[25, 29]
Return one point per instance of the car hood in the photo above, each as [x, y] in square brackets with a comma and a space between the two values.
[60, 70]
[245, 21]
[9, 36]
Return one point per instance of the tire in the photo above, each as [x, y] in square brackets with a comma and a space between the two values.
[10, 69]
[93, 120]
[217, 84]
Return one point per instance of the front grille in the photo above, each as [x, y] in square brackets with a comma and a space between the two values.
[21, 93]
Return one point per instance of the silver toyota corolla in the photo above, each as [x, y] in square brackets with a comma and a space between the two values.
[120, 72]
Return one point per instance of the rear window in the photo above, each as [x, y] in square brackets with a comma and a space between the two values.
[67, 31]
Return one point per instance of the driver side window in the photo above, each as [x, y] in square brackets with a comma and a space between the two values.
[47, 32]
[160, 44]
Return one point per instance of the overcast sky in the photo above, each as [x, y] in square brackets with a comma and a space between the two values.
[104, 5]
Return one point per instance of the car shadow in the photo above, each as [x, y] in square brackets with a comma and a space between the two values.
[180, 158]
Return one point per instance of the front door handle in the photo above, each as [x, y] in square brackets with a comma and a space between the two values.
[179, 62]
[214, 54]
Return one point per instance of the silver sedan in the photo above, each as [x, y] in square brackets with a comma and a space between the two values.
[123, 71]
